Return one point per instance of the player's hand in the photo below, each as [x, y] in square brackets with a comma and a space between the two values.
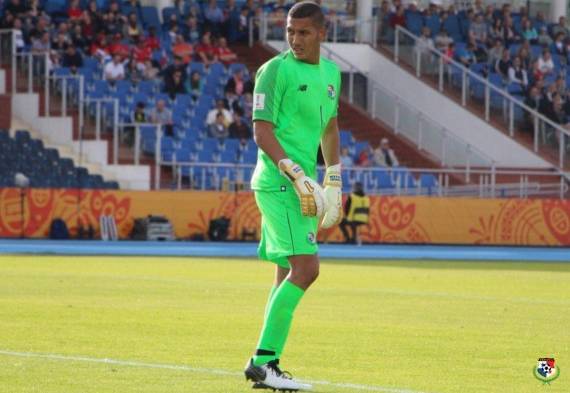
[333, 195]
[310, 193]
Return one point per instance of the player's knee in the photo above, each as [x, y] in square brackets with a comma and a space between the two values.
[310, 273]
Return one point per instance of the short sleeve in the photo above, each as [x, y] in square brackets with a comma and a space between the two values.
[268, 92]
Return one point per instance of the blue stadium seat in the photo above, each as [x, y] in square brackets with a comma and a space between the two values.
[414, 22]
[433, 23]
[429, 181]
[382, 178]
[403, 177]
[346, 138]
[451, 25]
[150, 17]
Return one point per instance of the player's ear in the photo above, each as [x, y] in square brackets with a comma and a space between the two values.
[322, 33]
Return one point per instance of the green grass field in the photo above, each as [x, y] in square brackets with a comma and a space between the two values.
[189, 325]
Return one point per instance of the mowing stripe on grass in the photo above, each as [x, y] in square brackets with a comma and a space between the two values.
[213, 371]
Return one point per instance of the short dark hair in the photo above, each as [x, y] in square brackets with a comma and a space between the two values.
[308, 9]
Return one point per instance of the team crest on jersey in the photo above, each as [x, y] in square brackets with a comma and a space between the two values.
[311, 237]
[331, 92]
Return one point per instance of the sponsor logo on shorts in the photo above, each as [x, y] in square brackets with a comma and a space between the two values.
[311, 237]
[259, 101]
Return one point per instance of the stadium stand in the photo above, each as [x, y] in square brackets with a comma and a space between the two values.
[100, 30]
[43, 166]
[182, 60]
[491, 41]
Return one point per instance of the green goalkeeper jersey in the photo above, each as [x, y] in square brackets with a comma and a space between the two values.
[299, 99]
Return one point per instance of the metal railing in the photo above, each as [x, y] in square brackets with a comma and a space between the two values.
[70, 90]
[449, 76]
[494, 102]
[425, 133]
[403, 181]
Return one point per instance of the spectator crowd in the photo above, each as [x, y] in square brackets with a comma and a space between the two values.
[126, 46]
[522, 53]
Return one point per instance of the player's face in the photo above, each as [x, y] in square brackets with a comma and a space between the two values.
[305, 38]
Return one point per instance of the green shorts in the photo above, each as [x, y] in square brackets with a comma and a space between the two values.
[284, 230]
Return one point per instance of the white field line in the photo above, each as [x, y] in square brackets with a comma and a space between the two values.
[201, 370]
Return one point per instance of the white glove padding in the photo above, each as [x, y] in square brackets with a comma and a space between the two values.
[310, 193]
[333, 194]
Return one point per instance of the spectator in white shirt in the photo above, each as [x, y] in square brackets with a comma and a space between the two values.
[345, 158]
[442, 40]
[220, 107]
[545, 63]
[114, 70]
[517, 74]
[384, 155]
[425, 42]
[18, 35]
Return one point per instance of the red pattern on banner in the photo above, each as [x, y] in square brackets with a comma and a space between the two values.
[517, 222]
[557, 217]
[40, 209]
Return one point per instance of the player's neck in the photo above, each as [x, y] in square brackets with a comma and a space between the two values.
[313, 60]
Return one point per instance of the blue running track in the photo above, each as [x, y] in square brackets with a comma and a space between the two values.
[236, 249]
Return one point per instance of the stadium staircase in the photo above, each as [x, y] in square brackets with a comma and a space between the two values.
[20, 139]
[66, 150]
[523, 138]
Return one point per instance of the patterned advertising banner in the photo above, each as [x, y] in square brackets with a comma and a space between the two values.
[540, 222]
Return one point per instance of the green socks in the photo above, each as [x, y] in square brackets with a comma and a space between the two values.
[268, 305]
[278, 317]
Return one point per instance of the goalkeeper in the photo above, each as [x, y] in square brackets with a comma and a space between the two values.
[294, 111]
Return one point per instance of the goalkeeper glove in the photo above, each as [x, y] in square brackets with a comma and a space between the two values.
[333, 195]
[310, 193]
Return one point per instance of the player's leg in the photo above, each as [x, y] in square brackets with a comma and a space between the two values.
[284, 232]
[280, 275]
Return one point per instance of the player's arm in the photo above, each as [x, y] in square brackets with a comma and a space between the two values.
[330, 143]
[330, 146]
[265, 139]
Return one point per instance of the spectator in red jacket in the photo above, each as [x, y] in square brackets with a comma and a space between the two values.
[225, 54]
[141, 53]
[205, 52]
[364, 158]
[182, 49]
[398, 19]
[152, 40]
[118, 48]
[74, 11]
